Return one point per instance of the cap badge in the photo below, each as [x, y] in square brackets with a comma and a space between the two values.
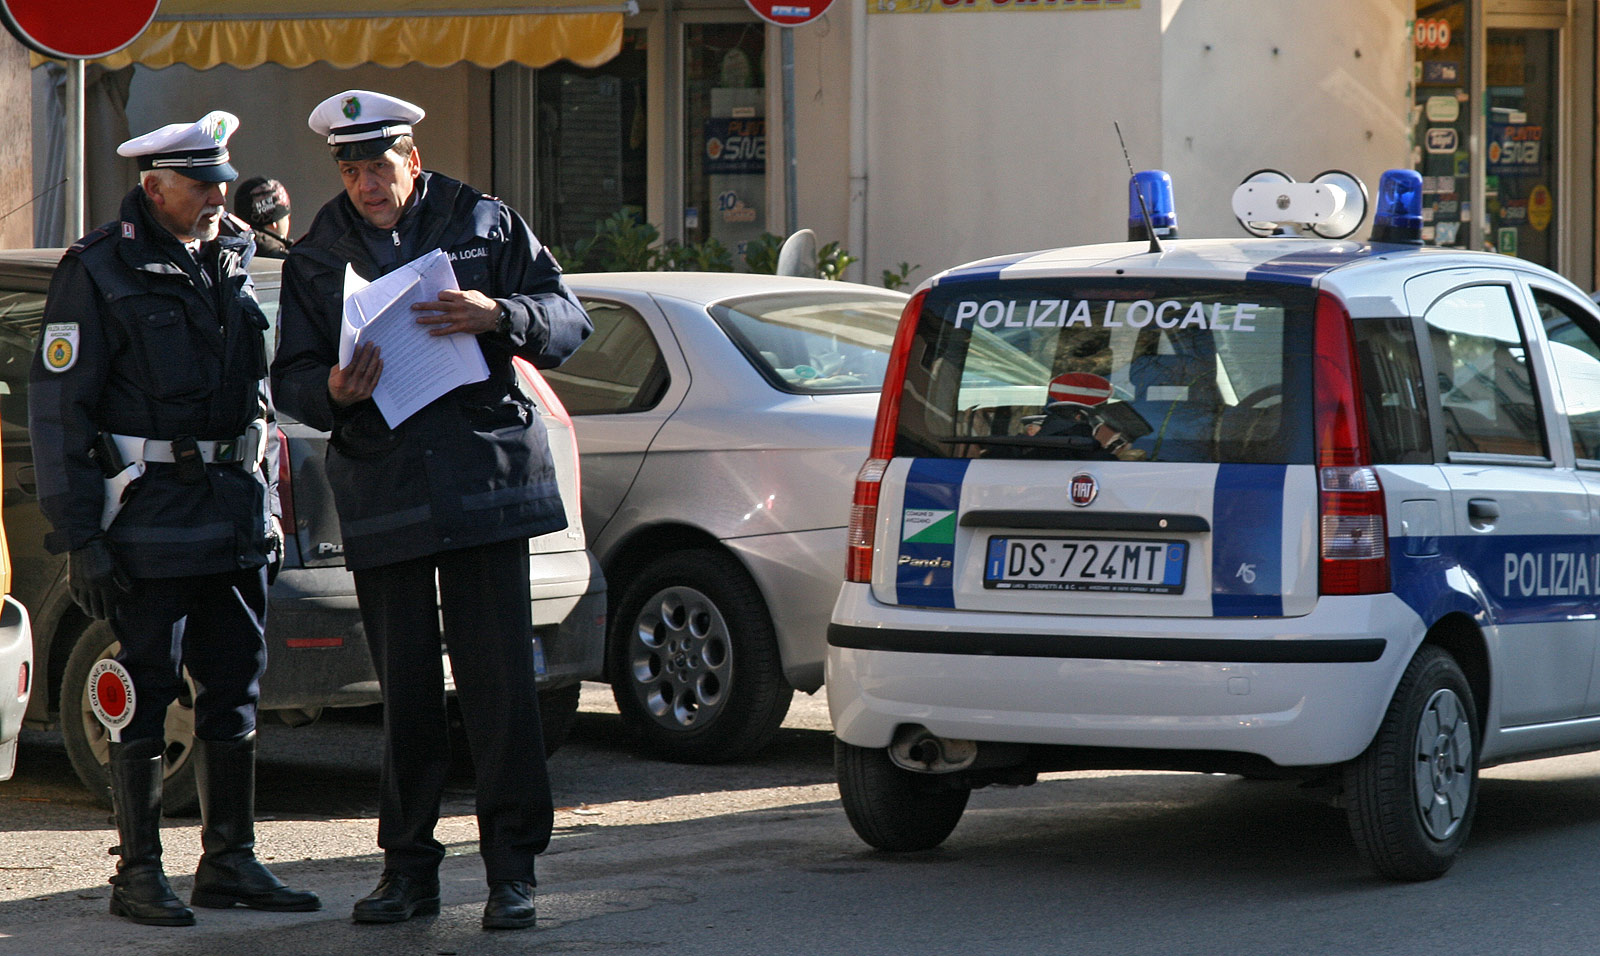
[352, 107]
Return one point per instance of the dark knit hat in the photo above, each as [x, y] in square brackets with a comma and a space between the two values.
[260, 201]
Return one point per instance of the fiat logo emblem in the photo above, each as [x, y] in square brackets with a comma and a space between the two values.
[1083, 489]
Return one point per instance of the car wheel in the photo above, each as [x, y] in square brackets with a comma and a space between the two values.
[88, 742]
[892, 808]
[694, 661]
[1412, 794]
[558, 709]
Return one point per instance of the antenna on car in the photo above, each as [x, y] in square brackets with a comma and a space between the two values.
[1138, 193]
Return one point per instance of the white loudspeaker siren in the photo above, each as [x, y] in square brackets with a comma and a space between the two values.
[1347, 219]
[1268, 176]
[1299, 203]
[1262, 176]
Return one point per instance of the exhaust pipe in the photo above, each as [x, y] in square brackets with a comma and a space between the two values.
[914, 748]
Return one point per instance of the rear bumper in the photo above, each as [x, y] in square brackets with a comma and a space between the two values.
[569, 615]
[1298, 691]
[16, 657]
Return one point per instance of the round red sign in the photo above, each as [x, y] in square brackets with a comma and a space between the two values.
[1080, 388]
[789, 13]
[111, 694]
[94, 29]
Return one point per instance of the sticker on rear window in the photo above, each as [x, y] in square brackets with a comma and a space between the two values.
[1109, 314]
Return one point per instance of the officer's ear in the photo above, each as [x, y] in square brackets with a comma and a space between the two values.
[153, 185]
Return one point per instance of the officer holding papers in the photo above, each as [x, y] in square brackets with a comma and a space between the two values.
[436, 507]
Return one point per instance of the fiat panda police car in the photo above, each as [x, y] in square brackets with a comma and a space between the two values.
[1281, 506]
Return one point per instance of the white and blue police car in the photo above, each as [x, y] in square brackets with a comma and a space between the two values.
[1293, 505]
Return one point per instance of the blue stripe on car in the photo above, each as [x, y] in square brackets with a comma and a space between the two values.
[925, 572]
[1304, 267]
[1247, 541]
[984, 272]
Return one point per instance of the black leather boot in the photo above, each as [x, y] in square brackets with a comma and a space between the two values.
[140, 891]
[229, 873]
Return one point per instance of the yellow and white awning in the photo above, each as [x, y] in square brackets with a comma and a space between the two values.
[348, 33]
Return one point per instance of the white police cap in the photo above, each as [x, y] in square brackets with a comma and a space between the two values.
[198, 150]
[361, 124]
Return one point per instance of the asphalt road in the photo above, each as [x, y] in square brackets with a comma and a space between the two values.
[651, 857]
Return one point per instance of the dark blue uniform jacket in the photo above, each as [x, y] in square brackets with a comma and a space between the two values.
[472, 467]
[161, 353]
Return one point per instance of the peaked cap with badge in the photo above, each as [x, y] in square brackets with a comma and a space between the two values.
[361, 124]
[198, 150]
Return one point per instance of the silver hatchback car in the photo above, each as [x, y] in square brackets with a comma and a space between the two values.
[721, 419]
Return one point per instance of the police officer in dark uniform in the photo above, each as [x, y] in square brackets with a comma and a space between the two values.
[436, 510]
[149, 436]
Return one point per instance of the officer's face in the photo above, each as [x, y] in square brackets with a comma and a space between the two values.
[380, 188]
[188, 208]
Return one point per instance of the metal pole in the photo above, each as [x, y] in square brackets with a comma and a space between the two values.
[791, 201]
[72, 221]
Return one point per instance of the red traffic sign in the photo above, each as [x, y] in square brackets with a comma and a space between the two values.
[1079, 388]
[93, 29]
[789, 13]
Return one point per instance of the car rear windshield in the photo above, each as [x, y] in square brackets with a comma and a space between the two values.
[1131, 370]
[814, 342]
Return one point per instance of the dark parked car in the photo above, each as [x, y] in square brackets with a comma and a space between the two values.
[317, 652]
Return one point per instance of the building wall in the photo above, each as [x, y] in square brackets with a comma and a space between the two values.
[1296, 85]
[272, 104]
[991, 133]
[16, 147]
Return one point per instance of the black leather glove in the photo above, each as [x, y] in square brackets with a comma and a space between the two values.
[95, 580]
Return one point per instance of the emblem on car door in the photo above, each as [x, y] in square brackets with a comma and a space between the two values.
[1083, 489]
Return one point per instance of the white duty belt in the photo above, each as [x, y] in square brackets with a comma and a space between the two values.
[245, 450]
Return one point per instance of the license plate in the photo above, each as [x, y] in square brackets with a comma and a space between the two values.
[1126, 565]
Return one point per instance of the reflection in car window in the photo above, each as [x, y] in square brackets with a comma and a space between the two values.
[20, 316]
[1486, 393]
[618, 368]
[1391, 378]
[815, 342]
[1575, 352]
[1191, 371]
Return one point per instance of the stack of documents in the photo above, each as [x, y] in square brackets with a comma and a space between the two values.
[417, 367]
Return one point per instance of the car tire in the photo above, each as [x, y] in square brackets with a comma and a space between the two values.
[88, 742]
[558, 710]
[892, 808]
[694, 660]
[1412, 795]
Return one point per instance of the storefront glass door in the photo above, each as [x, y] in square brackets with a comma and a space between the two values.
[1521, 188]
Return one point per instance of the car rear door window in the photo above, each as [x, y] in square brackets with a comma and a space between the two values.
[1177, 371]
[1486, 390]
[1575, 353]
[618, 368]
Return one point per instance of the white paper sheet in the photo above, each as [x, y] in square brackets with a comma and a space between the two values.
[417, 367]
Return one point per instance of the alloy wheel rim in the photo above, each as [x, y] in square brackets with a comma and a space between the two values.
[680, 656]
[1443, 764]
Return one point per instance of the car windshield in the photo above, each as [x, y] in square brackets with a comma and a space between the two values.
[814, 342]
[1196, 371]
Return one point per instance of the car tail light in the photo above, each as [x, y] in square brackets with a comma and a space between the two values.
[1354, 527]
[552, 405]
[864, 503]
[286, 485]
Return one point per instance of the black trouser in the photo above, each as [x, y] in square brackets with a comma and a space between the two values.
[483, 596]
[212, 624]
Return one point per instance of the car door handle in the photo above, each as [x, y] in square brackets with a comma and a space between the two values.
[1483, 509]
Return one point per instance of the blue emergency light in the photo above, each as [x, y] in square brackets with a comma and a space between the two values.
[1399, 208]
[1155, 186]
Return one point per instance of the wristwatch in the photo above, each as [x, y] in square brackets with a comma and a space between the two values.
[503, 323]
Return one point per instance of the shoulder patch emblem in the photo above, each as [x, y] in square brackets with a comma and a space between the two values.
[60, 346]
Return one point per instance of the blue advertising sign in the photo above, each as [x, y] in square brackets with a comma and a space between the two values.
[736, 145]
[1515, 149]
